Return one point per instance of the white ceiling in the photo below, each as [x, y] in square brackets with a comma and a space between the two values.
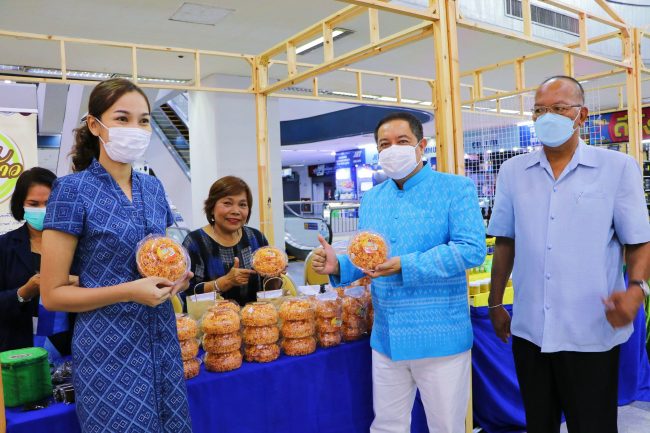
[254, 26]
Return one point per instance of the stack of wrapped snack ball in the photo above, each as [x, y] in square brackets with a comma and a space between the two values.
[221, 339]
[298, 327]
[188, 331]
[355, 312]
[260, 332]
[328, 319]
[370, 314]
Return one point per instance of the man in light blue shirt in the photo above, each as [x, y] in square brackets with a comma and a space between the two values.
[422, 331]
[568, 210]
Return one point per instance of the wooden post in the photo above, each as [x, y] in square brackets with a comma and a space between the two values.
[528, 22]
[633, 81]
[398, 89]
[582, 25]
[314, 87]
[568, 65]
[134, 63]
[197, 69]
[328, 43]
[263, 154]
[64, 67]
[292, 67]
[373, 18]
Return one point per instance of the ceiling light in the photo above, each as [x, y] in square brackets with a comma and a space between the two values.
[387, 99]
[195, 13]
[8, 82]
[332, 153]
[410, 101]
[318, 42]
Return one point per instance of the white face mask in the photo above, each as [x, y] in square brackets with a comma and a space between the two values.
[126, 144]
[398, 161]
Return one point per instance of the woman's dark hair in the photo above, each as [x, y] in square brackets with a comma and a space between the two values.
[228, 185]
[103, 96]
[29, 178]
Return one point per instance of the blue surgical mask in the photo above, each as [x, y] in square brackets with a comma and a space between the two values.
[553, 130]
[35, 217]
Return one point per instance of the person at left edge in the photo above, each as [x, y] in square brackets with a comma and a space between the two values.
[20, 262]
[127, 368]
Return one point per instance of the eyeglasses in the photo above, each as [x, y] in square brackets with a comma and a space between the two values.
[561, 109]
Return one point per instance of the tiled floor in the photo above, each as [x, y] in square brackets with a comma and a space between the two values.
[633, 418]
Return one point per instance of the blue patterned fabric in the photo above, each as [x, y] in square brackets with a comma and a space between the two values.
[128, 373]
[435, 226]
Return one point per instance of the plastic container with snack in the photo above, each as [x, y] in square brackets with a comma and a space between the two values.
[160, 256]
[255, 335]
[270, 261]
[262, 352]
[299, 346]
[191, 368]
[329, 339]
[259, 314]
[220, 321]
[367, 249]
[221, 362]
[328, 305]
[186, 327]
[222, 343]
[189, 349]
[298, 309]
[298, 328]
[225, 303]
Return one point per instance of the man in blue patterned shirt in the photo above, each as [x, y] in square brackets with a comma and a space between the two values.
[422, 332]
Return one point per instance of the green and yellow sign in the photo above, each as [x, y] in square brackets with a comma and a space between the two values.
[12, 165]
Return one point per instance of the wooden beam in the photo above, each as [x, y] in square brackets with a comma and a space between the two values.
[556, 48]
[618, 24]
[263, 157]
[64, 67]
[429, 107]
[634, 116]
[328, 42]
[539, 54]
[426, 15]
[569, 65]
[528, 22]
[314, 30]
[478, 84]
[134, 64]
[292, 69]
[314, 87]
[197, 69]
[582, 25]
[373, 23]
[398, 89]
[448, 116]
[359, 86]
[388, 43]
[520, 75]
[609, 11]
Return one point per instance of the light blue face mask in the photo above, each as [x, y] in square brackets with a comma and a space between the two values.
[35, 217]
[553, 130]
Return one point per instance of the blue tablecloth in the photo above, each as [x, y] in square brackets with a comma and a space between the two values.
[330, 391]
[497, 402]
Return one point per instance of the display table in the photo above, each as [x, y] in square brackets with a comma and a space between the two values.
[330, 391]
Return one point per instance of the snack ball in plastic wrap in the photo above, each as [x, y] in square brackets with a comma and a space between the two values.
[191, 368]
[367, 250]
[186, 327]
[160, 256]
[269, 261]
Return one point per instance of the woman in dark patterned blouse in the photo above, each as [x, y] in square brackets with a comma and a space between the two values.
[221, 252]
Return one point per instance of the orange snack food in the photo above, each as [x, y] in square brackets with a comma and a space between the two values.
[269, 261]
[221, 362]
[254, 335]
[191, 368]
[297, 309]
[186, 327]
[189, 349]
[299, 346]
[351, 333]
[327, 325]
[298, 328]
[160, 256]
[259, 314]
[329, 339]
[367, 250]
[225, 303]
[220, 321]
[221, 343]
[262, 353]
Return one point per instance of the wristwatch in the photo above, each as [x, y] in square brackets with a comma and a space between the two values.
[642, 284]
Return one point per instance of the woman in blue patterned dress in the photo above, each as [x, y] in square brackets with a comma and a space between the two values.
[128, 374]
